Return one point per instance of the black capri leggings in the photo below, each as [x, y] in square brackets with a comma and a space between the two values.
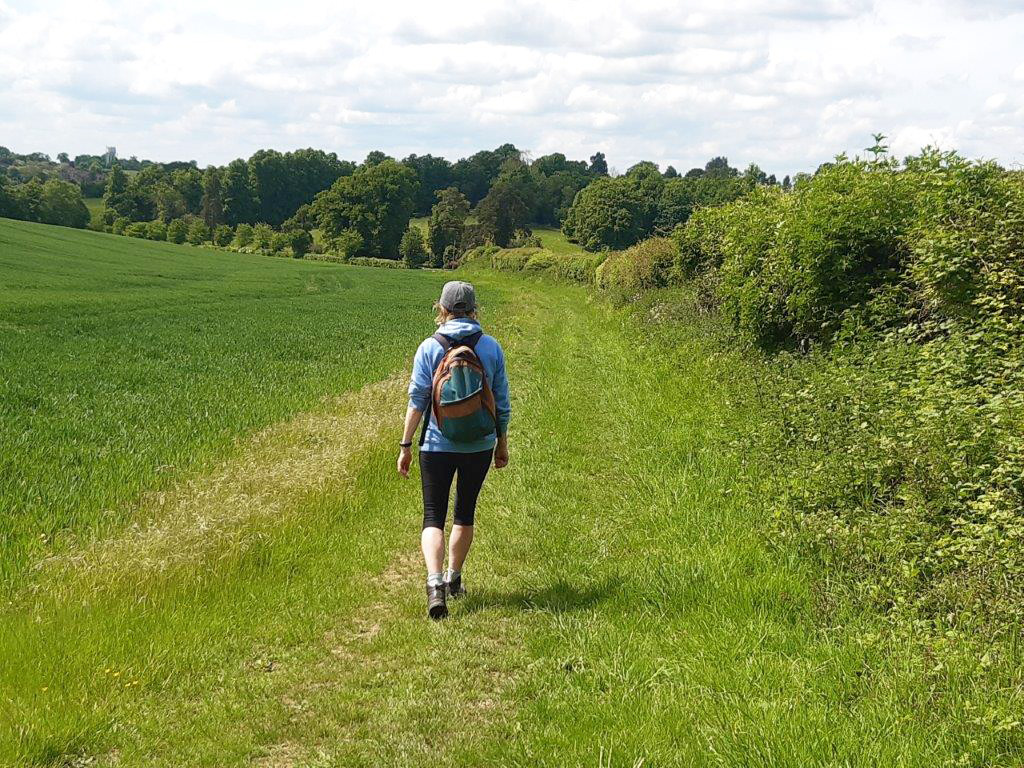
[437, 469]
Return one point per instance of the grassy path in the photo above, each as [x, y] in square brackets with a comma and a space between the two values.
[625, 609]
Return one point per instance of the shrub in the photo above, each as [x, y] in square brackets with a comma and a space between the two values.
[525, 240]
[156, 230]
[452, 257]
[279, 242]
[539, 261]
[579, 268]
[243, 236]
[412, 247]
[299, 240]
[198, 232]
[137, 229]
[645, 266]
[369, 261]
[511, 259]
[791, 264]
[177, 231]
[119, 225]
[262, 235]
[223, 236]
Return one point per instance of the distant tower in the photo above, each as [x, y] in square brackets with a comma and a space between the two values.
[110, 156]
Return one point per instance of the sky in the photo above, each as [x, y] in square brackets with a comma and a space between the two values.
[787, 84]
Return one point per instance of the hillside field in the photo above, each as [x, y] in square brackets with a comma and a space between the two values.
[213, 563]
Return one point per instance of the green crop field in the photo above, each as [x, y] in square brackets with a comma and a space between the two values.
[198, 448]
[126, 365]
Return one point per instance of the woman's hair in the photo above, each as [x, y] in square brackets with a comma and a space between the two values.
[444, 315]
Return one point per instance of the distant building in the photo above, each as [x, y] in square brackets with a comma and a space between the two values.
[110, 156]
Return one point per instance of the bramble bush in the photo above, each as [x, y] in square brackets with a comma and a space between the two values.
[901, 437]
[624, 275]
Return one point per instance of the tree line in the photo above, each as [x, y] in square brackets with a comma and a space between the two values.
[364, 210]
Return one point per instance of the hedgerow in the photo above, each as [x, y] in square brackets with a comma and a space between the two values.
[370, 261]
[577, 268]
[901, 437]
[643, 267]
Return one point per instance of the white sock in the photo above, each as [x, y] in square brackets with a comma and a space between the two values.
[435, 579]
[451, 575]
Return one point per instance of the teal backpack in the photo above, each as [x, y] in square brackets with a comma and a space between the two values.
[460, 397]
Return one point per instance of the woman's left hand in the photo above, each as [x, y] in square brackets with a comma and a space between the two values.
[404, 461]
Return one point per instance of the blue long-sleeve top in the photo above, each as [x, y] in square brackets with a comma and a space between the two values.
[428, 357]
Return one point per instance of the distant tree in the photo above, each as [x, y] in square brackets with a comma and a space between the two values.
[786, 183]
[557, 182]
[283, 183]
[719, 166]
[677, 201]
[169, 202]
[303, 218]
[115, 196]
[60, 202]
[188, 182]
[598, 165]
[243, 235]
[376, 157]
[755, 175]
[447, 223]
[237, 194]
[508, 206]
[213, 201]
[609, 213]
[694, 173]
[198, 232]
[548, 165]
[434, 174]
[376, 202]
[177, 231]
[63, 158]
[7, 205]
[671, 173]
[412, 248]
[650, 183]
[223, 235]
[475, 174]
[300, 242]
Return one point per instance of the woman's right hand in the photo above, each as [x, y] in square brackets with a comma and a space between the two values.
[404, 461]
[501, 453]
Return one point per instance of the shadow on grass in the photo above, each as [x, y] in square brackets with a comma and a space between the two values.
[560, 597]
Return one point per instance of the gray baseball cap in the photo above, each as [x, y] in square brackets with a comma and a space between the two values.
[458, 296]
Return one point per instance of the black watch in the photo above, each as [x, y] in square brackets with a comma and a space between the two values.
[405, 445]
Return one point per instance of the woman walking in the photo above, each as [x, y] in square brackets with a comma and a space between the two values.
[458, 378]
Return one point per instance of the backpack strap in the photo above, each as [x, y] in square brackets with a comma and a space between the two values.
[447, 343]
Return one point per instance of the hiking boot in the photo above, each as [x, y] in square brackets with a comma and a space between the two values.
[455, 588]
[437, 606]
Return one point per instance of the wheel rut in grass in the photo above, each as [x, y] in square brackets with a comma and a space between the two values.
[313, 453]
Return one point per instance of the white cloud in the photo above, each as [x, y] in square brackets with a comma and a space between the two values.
[785, 83]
